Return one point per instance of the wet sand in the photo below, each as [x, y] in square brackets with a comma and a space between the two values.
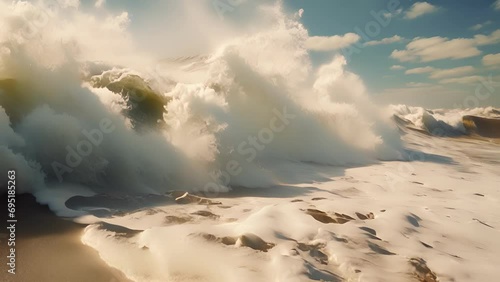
[48, 248]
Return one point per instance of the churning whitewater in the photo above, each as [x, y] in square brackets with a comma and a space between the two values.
[76, 124]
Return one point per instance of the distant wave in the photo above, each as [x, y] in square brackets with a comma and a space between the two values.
[484, 122]
[486, 127]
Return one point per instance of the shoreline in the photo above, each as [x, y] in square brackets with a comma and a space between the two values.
[48, 248]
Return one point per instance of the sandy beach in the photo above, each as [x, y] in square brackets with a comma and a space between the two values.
[48, 248]
[392, 221]
[433, 219]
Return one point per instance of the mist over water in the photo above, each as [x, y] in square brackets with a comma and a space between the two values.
[85, 110]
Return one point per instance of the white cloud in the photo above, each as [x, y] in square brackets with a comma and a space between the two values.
[418, 84]
[397, 67]
[481, 25]
[419, 9]
[491, 60]
[442, 73]
[437, 48]
[388, 40]
[420, 70]
[445, 94]
[396, 13]
[462, 80]
[493, 38]
[476, 27]
[496, 5]
[331, 43]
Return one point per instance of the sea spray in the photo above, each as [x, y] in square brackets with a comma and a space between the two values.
[50, 99]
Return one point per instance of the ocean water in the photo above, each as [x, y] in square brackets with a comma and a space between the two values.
[96, 131]
[110, 128]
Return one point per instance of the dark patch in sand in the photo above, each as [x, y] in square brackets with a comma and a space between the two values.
[119, 230]
[255, 242]
[365, 216]
[315, 251]
[186, 198]
[422, 271]
[369, 230]
[246, 240]
[379, 249]
[483, 223]
[172, 219]
[413, 219]
[318, 199]
[325, 218]
[426, 245]
[207, 214]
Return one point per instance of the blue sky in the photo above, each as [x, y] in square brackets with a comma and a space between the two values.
[445, 47]
[450, 19]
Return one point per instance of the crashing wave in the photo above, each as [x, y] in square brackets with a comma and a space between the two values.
[486, 127]
[143, 105]
[450, 123]
[229, 119]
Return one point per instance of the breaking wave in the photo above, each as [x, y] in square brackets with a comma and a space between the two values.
[77, 119]
[483, 122]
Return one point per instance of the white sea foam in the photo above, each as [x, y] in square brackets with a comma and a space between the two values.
[250, 85]
[445, 122]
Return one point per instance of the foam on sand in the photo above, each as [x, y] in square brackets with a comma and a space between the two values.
[426, 220]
